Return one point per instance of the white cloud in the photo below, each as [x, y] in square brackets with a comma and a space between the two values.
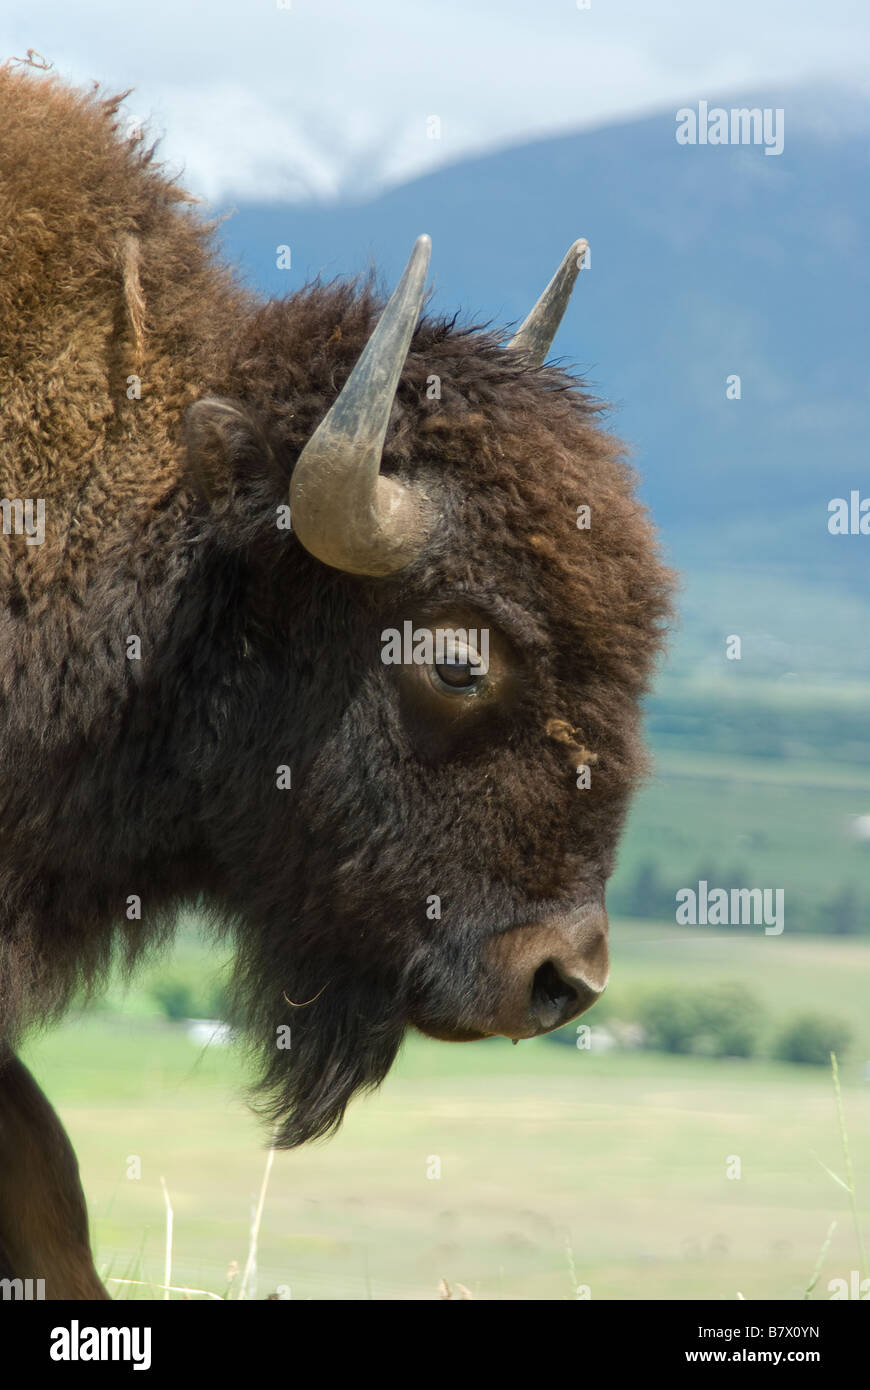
[333, 96]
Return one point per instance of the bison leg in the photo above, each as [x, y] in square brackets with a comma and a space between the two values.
[43, 1217]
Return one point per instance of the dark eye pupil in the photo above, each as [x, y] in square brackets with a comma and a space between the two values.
[457, 673]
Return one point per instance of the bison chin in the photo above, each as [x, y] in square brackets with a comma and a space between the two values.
[317, 1041]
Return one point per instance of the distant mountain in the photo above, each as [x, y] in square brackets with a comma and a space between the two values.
[706, 261]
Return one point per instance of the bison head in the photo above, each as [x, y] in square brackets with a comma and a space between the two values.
[424, 724]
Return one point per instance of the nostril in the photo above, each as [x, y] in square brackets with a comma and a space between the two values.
[556, 997]
[552, 995]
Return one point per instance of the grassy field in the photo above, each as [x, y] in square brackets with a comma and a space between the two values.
[777, 823]
[558, 1167]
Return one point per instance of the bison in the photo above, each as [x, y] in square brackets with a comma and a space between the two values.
[218, 511]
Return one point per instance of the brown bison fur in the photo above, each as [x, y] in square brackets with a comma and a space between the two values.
[158, 777]
[43, 1217]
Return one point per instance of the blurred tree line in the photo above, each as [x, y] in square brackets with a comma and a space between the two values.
[776, 721]
[722, 1020]
[840, 911]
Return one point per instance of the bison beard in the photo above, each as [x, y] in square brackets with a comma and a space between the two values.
[342, 1035]
[167, 416]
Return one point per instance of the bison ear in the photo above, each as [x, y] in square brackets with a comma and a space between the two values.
[225, 443]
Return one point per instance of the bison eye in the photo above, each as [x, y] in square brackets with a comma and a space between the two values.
[457, 678]
[460, 673]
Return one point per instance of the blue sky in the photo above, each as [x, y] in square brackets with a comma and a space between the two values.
[326, 98]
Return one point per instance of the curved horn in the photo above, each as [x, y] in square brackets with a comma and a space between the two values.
[343, 511]
[535, 336]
